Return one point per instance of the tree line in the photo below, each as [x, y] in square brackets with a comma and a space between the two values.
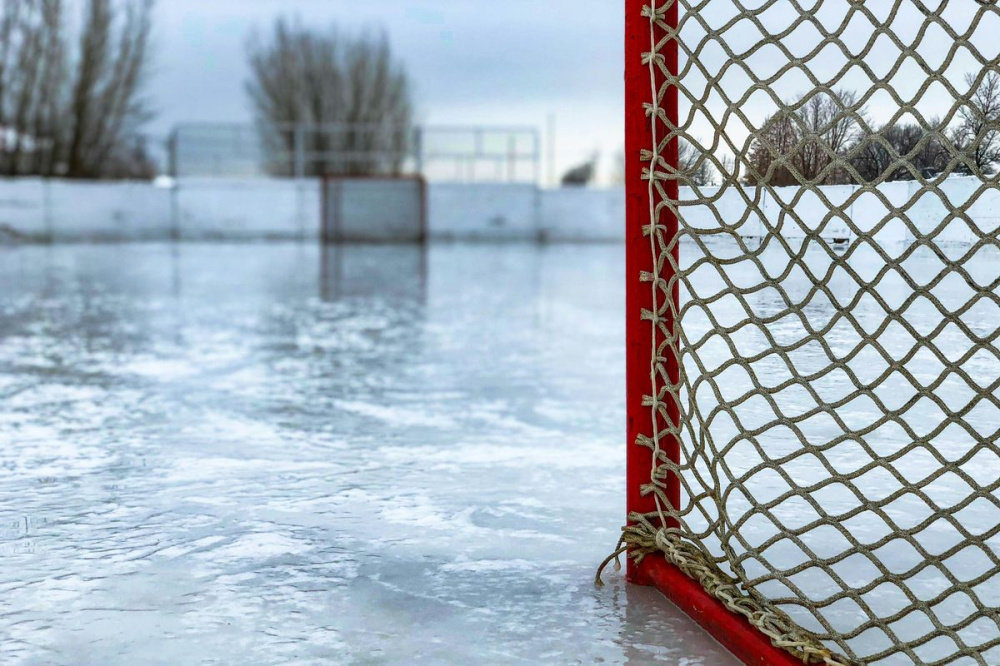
[73, 103]
[821, 141]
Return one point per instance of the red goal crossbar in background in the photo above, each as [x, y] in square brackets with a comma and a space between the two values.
[641, 83]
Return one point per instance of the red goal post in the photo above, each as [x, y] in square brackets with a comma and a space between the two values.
[734, 632]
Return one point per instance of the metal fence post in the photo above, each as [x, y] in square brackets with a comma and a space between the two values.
[418, 149]
[172, 154]
[299, 151]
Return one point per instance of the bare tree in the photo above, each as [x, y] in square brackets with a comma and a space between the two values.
[978, 131]
[807, 145]
[74, 112]
[31, 76]
[49, 116]
[827, 128]
[342, 100]
[903, 151]
[770, 160]
[107, 107]
[694, 167]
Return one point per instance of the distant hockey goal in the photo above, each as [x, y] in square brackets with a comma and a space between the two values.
[374, 209]
[813, 304]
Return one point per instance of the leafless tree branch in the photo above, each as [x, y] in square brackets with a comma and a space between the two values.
[342, 100]
[73, 111]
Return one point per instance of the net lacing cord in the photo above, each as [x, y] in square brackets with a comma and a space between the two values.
[683, 546]
[642, 537]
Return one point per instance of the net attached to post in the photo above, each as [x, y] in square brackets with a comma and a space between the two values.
[837, 321]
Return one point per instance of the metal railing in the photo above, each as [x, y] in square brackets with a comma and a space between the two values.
[438, 152]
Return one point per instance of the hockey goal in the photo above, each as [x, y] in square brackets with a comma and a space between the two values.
[374, 209]
[813, 318]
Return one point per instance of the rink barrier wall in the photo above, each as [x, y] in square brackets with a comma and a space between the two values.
[37, 210]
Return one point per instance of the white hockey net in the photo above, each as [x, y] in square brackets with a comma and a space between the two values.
[838, 321]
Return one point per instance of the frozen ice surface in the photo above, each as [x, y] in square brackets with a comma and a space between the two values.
[279, 454]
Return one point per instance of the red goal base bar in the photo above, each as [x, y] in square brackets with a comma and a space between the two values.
[731, 630]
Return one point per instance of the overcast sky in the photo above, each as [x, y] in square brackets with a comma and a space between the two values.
[514, 62]
[473, 61]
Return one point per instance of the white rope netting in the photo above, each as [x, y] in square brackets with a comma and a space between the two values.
[837, 323]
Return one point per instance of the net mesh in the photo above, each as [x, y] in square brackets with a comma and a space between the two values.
[834, 284]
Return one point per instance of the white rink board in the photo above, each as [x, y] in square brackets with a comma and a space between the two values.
[33, 209]
[799, 214]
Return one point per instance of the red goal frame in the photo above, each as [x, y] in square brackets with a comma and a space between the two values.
[733, 631]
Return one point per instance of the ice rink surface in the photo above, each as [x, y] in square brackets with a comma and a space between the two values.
[280, 454]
